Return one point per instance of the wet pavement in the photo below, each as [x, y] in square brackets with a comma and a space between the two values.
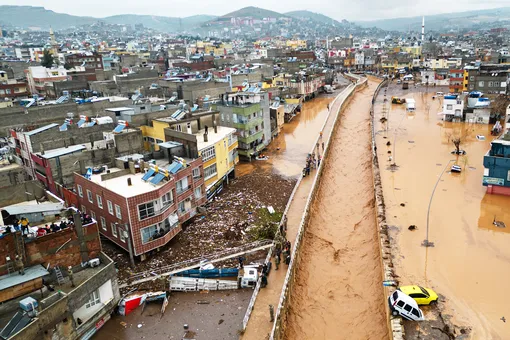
[469, 265]
[209, 315]
[338, 293]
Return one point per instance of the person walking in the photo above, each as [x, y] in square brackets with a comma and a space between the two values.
[271, 313]
[319, 162]
[322, 146]
[276, 262]
[19, 265]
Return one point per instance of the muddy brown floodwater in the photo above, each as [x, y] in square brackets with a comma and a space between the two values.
[469, 265]
[338, 292]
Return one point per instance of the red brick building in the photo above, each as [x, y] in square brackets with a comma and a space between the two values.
[151, 200]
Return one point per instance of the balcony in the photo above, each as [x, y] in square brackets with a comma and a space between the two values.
[183, 190]
[248, 123]
[247, 140]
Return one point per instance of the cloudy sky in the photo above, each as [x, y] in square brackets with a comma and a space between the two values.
[338, 9]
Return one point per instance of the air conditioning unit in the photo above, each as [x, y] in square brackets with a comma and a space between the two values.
[94, 262]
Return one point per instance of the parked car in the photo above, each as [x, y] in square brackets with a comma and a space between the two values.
[422, 296]
[405, 306]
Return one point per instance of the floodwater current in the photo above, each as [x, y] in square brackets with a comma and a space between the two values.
[338, 292]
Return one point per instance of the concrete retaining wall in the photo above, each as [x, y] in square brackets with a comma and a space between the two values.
[285, 297]
[395, 325]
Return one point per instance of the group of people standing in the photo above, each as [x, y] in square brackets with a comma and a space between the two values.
[313, 160]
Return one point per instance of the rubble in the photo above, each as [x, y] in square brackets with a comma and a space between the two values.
[222, 225]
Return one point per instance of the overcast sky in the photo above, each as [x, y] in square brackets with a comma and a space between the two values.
[339, 9]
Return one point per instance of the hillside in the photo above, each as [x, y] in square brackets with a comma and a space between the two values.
[29, 16]
[313, 16]
[255, 12]
[165, 24]
[441, 22]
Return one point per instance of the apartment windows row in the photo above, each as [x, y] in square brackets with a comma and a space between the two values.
[153, 208]
[99, 200]
[153, 140]
[117, 230]
[489, 84]
[208, 153]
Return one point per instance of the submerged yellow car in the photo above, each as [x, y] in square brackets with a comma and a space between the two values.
[422, 296]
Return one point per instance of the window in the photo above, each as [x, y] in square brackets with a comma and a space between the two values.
[234, 118]
[208, 153]
[93, 299]
[80, 191]
[89, 196]
[481, 83]
[400, 303]
[83, 209]
[117, 211]
[497, 84]
[99, 200]
[198, 192]
[472, 78]
[228, 118]
[415, 312]
[508, 176]
[408, 308]
[103, 223]
[148, 233]
[121, 234]
[210, 171]
[146, 210]
[158, 141]
[114, 229]
[110, 207]
[196, 173]
[182, 185]
[491, 84]
[222, 117]
[93, 215]
[181, 207]
[449, 107]
[167, 199]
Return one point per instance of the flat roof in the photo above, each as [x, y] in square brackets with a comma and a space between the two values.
[31, 273]
[115, 109]
[41, 129]
[212, 137]
[28, 207]
[62, 151]
[119, 184]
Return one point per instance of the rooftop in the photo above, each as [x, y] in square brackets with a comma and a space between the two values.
[31, 273]
[62, 151]
[212, 137]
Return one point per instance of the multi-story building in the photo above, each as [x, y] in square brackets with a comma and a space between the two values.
[11, 89]
[88, 60]
[496, 176]
[248, 113]
[39, 76]
[456, 80]
[28, 53]
[453, 107]
[140, 206]
[489, 79]
[217, 147]
[81, 305]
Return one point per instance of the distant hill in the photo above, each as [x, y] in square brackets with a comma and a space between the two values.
[441, 22]
[254, 12]
[313, 16]
[29, 16]
[165, 24]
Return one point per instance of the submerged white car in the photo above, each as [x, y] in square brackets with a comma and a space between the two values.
[405, 306]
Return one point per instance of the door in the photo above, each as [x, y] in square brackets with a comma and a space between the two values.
[420, 298]
[407, 312]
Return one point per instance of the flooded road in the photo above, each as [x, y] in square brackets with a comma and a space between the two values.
[287, 152]
[338, 292]
[470, 262]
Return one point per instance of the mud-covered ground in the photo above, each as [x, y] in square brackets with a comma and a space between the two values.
[223, 225]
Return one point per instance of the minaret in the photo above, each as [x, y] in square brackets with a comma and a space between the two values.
[54, 45]
[423, 30]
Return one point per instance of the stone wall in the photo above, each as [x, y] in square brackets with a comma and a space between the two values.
[13, 194]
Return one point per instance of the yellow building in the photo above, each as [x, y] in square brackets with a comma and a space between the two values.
[219, 152]
[415, 51]
[294, 44]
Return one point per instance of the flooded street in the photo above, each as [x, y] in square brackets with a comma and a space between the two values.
[470, 261]
[338, 292]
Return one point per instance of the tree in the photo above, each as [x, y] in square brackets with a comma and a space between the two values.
[47, 59]
[499, 105]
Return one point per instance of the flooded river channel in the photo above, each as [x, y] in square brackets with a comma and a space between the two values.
[338, 292]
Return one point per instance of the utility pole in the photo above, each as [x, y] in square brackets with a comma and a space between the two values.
[426, 242]
[127, 235]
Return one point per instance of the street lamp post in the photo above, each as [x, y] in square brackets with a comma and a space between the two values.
[426, 242]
